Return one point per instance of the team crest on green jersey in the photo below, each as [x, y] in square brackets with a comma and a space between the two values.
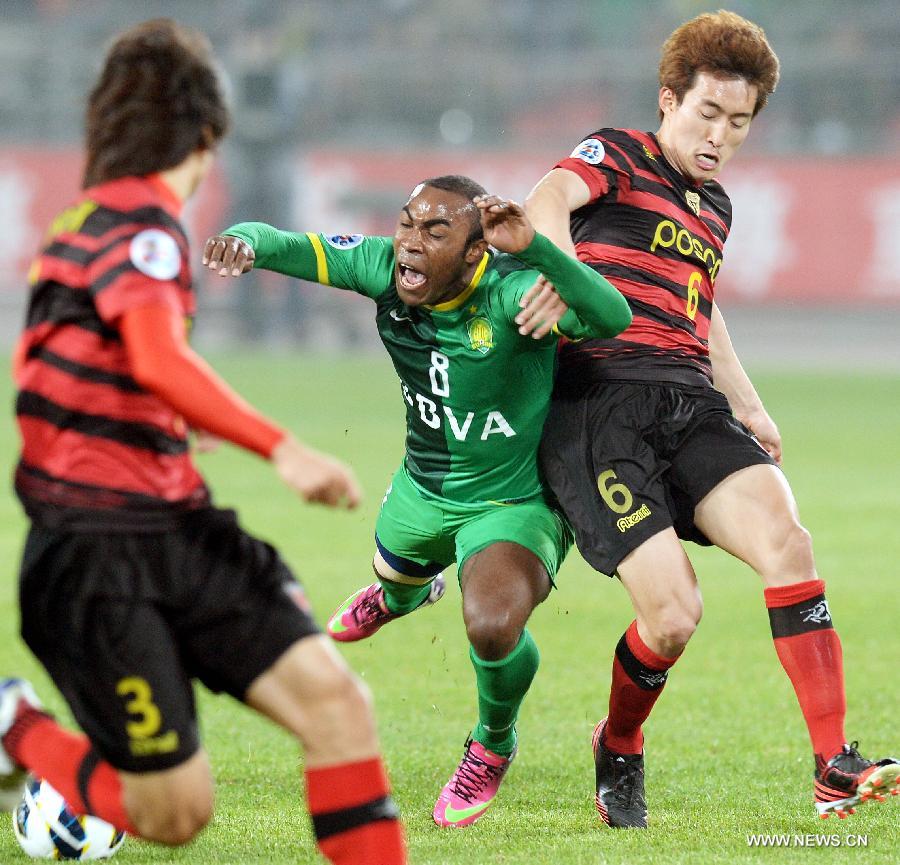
[481, 334]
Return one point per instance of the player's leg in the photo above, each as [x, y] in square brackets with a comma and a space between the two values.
[752, 515]
[507, 555]
[667, 603]
[169, 806]
[311, 692]
[411, 551]
[599, 458]
[501, 586]
[165, 806]
[87, 616]
[663, 589]
[254, 637]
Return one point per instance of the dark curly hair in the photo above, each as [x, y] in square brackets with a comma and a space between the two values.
[722, 43]
[159, 98]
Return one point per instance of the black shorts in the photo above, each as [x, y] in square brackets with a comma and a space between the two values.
[627, 460]
[124, 622]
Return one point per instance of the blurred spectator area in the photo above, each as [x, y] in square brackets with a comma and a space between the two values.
[341, 106]
[379, 71]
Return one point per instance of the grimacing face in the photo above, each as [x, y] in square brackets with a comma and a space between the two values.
[702, 132]
[431, 246]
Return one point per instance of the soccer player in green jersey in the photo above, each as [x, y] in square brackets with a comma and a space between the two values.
[477, 392]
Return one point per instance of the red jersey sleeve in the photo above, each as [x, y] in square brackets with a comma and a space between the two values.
[591, 161]
[141, 265]
[163, 363]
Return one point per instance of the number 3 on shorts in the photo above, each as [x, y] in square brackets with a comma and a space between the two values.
[140, 705]
[617, 497]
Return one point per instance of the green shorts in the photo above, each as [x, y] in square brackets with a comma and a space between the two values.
[419, 534]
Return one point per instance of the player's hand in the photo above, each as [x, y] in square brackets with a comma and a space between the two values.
[542, 308]
[316, 477]
[228, 256]
[763, 427]
[206, 443]
[505, 225]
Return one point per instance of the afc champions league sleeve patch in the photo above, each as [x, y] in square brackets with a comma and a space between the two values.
[344, 241]
[155, 253]
[590, 151]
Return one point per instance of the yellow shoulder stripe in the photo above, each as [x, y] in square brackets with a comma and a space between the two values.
[321, 262]
[462, 297]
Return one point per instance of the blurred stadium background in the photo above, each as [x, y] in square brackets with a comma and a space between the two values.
[340, 107]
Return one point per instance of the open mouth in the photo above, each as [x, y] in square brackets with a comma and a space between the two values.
[410, 278]
[707, 161]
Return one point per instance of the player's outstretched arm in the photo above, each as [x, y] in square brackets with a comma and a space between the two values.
[254, 244]
[507, 228]
[317, 477]
[548, 206]
[228, 255]
[542, 309]
[162, 362]
[597, 308]
[360, 264]
[730, 378]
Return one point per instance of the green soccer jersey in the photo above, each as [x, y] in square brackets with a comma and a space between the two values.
[476, 391]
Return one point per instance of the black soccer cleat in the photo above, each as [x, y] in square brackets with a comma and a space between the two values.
[620, 785]
[848, 779]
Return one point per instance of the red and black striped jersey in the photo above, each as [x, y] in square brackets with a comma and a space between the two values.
[100, 452]
[658, 237]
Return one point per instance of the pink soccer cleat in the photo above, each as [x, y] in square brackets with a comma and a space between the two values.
[472, 787]
[365, 611]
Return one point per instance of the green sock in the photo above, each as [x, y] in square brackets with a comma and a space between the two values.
[502, 686]
[401, 598]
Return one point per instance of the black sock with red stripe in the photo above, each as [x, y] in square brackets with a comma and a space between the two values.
[353, 815]
[810, 652]
[638, 677]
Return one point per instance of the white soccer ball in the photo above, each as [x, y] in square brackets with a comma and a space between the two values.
[47, 828]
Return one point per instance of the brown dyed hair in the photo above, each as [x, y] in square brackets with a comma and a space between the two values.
[159, 98]
[722, 43]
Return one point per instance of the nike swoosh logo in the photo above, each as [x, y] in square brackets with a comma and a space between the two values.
[399, 317]
[454, 816]
[334, 625]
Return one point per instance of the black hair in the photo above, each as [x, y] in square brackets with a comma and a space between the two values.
[467, 188]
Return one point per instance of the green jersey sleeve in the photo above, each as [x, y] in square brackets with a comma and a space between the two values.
[351, 261]
[597, 309]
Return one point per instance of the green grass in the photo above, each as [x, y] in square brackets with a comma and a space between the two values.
[728, 753]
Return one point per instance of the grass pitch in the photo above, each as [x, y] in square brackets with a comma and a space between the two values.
[728, 754]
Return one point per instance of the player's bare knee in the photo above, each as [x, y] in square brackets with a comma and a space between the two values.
[357, 700]
[171, 807]
[174, 819]
[493, 635]
[799, 550]
[672, 631]
[343, 709]
[790, 558]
